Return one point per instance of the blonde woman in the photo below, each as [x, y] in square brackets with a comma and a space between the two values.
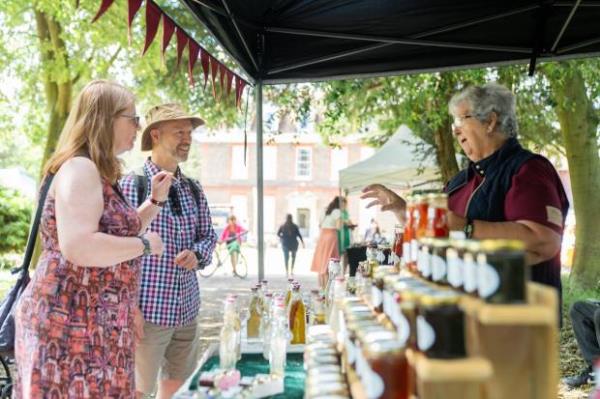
[77, 320]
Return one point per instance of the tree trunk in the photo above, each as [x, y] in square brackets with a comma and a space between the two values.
[579, 125]
[444, 151]
[443, 138]
[58, 88]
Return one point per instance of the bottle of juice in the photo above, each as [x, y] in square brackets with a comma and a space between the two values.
[297, 316]
[255, 314]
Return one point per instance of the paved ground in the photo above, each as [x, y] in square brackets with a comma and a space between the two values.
[214, 289]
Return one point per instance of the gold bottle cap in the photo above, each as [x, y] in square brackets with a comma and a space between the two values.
[500, 245]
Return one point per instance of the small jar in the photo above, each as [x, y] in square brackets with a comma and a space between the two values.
[502, 273]
[441, 326]
[388, 370]
[470, 266]
[439, 268]
[437, 215]
[454, 262]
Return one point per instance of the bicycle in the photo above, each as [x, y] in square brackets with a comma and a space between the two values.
[221, 257]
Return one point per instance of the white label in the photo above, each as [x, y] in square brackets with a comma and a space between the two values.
[403, 328]
[374, 385]
[425, 262]
[554, 215]
[438, 268]
[380, 257]
[425, 334]
[376, 296]
[414, 250]
[455, 273]
[387, 302]
[470, 276]
[350, 351]
[406, 252]
[360, 364]
[488, 280]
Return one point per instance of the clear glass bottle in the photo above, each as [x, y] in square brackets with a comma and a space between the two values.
[334, 268]
[254, 315]
[229, 336]
[288, 293]
[297, 316]
[279, 338]
[265, 324]
[339, 292]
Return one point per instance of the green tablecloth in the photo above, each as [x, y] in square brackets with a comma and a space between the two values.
[252, 364]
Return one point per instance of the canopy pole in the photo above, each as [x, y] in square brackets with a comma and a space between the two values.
[259, 180]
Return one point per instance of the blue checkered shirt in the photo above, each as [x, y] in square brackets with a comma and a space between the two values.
[169, 294]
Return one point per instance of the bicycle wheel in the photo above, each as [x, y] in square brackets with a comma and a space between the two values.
[241, 269]
[209, 270]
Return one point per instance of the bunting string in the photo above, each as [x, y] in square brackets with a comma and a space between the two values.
[219, 73]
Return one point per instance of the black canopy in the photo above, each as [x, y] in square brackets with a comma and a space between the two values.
[278, 41]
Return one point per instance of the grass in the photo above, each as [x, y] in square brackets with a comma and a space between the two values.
[571, 361]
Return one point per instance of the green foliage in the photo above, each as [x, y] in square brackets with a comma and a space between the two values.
[15, 216]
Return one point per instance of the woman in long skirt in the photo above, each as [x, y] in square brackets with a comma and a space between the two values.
[327, 246]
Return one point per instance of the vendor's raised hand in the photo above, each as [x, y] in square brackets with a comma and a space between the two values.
[186, 259]
[161, 183]
[389, 200]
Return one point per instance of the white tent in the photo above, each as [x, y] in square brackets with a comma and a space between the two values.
[396, 164]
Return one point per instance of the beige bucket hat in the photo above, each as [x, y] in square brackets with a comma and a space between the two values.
[163, 113]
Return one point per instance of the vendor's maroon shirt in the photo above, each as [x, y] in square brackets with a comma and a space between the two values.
[534, 195]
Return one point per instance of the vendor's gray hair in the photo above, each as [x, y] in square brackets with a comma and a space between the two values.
[486, 99]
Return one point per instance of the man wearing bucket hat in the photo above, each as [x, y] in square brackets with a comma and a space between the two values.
[169, 297]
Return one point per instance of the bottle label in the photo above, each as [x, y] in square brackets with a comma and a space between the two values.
[376, 296]
[488, 280]
[387, 302]
[414, 250]
[406, 252]
[470, 276]
[374, 385]
[425, 334]
[350, 351]
[425, 263]
[402, 326]
[438, 268]
[455, 275]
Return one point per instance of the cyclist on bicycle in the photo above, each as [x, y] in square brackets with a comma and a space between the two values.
[232, 236]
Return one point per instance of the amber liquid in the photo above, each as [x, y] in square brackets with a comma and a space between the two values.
[298, 322]
[253, 328]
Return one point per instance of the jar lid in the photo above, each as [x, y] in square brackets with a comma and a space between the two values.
[502, 245]
[440, 243]
[458, 244]
[426, 241]
[375, 335]
[439, 298]
[384, 347]
[472, 245]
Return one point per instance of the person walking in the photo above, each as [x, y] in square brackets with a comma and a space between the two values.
[289, 234]
[232, 238]
[327, 245]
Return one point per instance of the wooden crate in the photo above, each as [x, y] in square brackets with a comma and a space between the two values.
[512, 353]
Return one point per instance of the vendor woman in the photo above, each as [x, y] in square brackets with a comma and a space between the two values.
[506, 191]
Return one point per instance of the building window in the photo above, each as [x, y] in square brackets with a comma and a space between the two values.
[239, 170]
[270, 162]
[303, 163]
[339, 161]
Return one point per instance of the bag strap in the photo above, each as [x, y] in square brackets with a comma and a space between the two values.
[24, 269]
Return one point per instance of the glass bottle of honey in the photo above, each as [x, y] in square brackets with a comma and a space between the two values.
[297, 316]
[254, 314]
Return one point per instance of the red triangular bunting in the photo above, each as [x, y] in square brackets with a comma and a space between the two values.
[133, 8]
[205, 61]
[168, 29]
[223, 75]
[214, 69]
[152, 20]
[239, 90]
[103, 7]
[194, 49]
[182, 40]
[229, 81]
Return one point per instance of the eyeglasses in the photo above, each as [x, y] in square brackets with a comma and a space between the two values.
[134, 118]
[459, 121]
